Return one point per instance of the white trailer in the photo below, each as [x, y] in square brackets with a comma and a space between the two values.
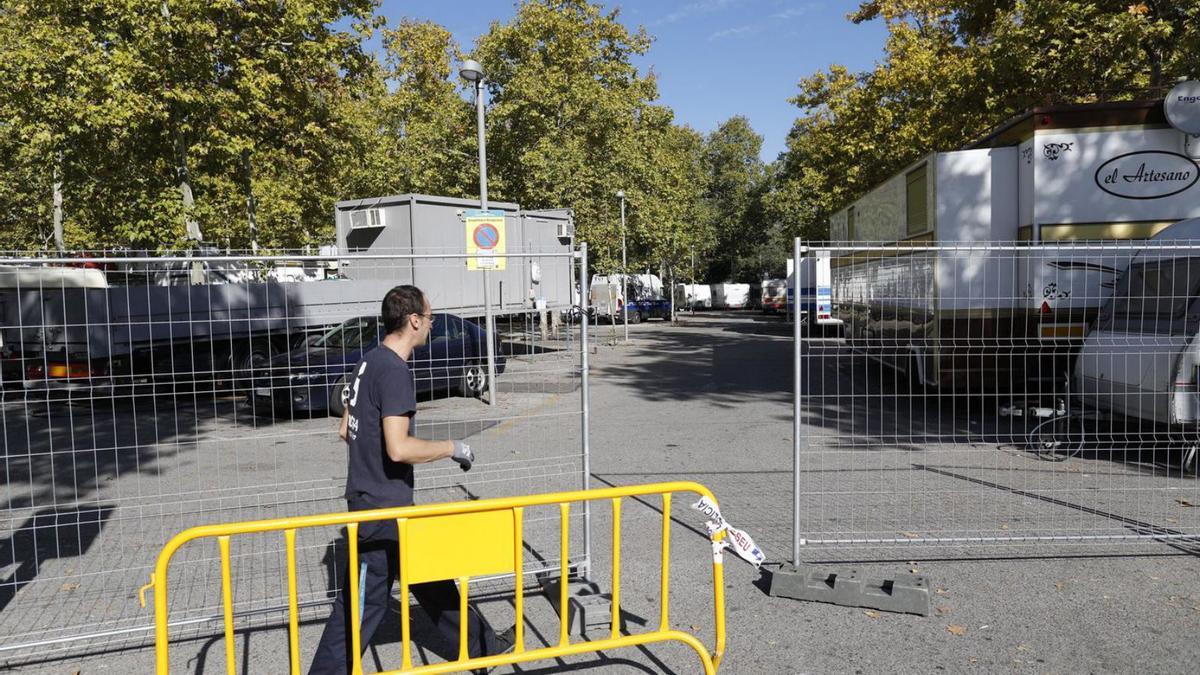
[693, 296]
[948, 310]
[730, 296]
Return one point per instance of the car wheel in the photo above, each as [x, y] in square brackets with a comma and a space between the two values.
[636, 317]
[336, 407]
[251, 364]
[473, 381]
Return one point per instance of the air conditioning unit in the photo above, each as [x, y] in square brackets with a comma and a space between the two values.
[564, 230]
[366, 218]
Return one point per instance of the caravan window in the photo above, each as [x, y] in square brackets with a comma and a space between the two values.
[1153, 297]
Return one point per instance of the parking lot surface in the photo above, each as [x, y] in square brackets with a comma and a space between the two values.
[710, 399]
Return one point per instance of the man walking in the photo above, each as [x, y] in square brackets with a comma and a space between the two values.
[377, 426]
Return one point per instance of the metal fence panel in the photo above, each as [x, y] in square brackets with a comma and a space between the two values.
[136, 404]
[967, 396]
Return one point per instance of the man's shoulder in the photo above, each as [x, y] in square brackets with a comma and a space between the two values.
[383, 359]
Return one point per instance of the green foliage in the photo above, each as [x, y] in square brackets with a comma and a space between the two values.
[736, 176]
[267, 112]
[572, 121]
[413, 131]
[128, 101]
[951, 70]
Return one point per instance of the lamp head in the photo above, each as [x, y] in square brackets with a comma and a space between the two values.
[471, 70]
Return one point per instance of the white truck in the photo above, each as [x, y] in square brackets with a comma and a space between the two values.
[815, 280]
[965, 269]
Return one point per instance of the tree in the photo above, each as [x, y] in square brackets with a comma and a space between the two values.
[572, 121]
[735, 175]
[132, 107]
[415, 130]
[67, 97]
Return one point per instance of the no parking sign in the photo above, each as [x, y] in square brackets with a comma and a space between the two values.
[485, 239]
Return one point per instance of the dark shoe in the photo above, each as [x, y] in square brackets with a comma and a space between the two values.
[505, 643]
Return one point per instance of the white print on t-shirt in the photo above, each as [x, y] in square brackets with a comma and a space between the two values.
[357, 378]
[352, 422]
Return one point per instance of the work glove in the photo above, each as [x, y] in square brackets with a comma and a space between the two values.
[463, 455]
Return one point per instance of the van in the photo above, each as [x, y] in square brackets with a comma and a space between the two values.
[774, 295]
[1140, 359]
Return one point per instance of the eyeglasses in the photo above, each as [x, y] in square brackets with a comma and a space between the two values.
[432, 318]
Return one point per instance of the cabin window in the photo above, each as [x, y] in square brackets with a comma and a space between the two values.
[850, 224]
[916, 201]
[1153, 297]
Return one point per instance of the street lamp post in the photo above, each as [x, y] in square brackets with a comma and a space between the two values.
[692, 303]
[624, 270]
[473, 72]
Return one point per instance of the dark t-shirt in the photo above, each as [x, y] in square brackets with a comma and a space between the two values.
[382, 387]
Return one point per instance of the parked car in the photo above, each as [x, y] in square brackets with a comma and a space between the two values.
[311, 377]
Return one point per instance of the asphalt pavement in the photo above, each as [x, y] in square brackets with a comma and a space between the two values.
[710, 399]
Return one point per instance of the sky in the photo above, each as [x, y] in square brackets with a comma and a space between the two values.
[714, 58]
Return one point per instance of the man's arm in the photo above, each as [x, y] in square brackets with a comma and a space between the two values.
[344, 427]
[409, 449]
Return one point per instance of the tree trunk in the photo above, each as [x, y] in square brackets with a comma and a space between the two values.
[58, 204]
[191, 225]
[251, 202]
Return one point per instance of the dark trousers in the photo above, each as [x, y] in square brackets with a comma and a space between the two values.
[378, 551]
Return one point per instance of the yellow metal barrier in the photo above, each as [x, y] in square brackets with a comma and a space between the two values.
[455, 541]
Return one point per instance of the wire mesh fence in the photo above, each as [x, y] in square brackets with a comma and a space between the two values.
[142, 396]
[960, 397]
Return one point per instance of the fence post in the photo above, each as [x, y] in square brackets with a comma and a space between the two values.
[798, 372]
[585, 397]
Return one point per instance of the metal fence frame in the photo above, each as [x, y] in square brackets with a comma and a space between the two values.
[496, 543]
[116, 605]
[1093, 492]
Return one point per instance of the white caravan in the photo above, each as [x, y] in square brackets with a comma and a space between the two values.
[730, 296]
[979, 279]
[1140, 360]
[693, 296]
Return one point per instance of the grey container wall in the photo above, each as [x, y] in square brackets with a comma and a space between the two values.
[540, 231]
[424, 224]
